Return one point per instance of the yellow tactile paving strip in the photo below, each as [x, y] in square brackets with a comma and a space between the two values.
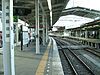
[42, 64]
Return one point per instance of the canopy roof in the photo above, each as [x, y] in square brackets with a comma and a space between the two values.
[81, 11]
[57, 7]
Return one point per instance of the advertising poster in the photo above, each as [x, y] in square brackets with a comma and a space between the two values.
[25, 35]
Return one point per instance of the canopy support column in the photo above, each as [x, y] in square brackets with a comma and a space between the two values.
[46, 31]
[86, 34]
[8, 37]
[37, 26]
[17, 33]
[43, 30]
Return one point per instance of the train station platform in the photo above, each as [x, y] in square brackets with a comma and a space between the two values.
[27, 62]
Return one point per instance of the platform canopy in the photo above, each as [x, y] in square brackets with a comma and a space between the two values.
[57, 7]
[81, 11]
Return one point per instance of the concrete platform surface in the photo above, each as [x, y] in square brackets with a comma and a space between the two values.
[27, 62]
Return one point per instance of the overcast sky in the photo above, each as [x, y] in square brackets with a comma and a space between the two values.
[71, 21]
[92, 4]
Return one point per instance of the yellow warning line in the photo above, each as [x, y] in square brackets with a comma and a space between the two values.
[42, 64]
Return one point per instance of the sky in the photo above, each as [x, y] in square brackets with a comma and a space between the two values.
[92, 4]
[72, 21]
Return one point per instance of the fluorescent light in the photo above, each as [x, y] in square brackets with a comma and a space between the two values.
[50, 8]
[49, 4]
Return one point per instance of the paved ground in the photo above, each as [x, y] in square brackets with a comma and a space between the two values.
[46, 63]
[26, 61]
[1, 65]
[53, 66]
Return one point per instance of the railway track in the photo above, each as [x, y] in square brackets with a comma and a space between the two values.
[71, 42]
[68, 70]
[67, 66]
[94, 52]
[77, 66]
[81, 67]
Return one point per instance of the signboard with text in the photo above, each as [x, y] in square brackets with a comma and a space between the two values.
[25, 35]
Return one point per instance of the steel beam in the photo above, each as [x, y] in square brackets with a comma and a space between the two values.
[57, 5]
